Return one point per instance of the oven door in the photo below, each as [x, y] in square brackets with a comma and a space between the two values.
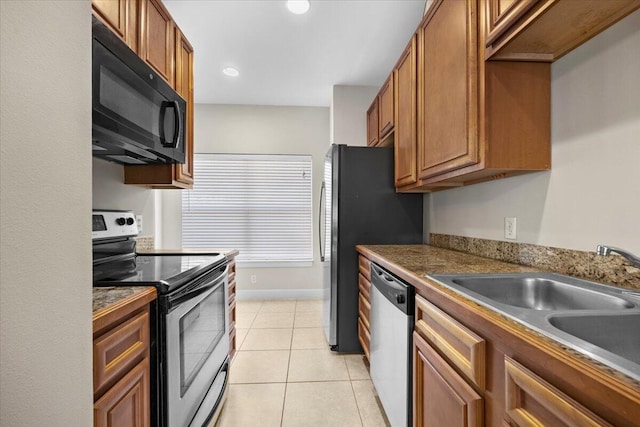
[197, 344]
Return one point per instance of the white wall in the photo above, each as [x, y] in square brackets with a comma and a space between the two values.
[259, 130]
[592, 193]
[109, 192]
[349, 105]
[45, 192]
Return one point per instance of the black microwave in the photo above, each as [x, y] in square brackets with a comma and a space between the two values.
[137, 117]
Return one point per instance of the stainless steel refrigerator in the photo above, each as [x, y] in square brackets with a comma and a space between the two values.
[358, 205]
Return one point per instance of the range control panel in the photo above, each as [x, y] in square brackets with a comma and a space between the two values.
[110, 224]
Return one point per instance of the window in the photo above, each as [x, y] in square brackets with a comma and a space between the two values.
[260, 204]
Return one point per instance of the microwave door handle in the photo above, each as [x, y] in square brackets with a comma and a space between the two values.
[178, 128]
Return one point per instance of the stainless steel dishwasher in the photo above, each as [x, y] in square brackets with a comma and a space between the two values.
[392, 318]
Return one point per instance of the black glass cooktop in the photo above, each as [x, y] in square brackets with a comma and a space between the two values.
[165, 272]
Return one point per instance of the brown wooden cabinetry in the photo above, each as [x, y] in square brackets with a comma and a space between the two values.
[476, 121]
[364, 304]
[121, 16]
[381, 115]
[448, 360]
[372, 124]
[121, 375]
[441, 396]
[232, 307]
[545, 30]
[405, 139]
[157, 39]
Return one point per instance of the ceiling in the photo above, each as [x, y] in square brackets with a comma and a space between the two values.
[287, 59]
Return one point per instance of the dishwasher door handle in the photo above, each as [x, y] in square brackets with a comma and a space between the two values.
[390, 282]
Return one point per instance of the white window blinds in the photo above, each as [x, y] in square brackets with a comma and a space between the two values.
[259, 204]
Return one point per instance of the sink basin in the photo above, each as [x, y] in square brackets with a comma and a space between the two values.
[615, 333]
[541, 294]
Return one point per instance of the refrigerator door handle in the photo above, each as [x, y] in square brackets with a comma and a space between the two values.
[320, 221]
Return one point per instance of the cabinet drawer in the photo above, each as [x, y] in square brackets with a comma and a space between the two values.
[115, 352]
[364, 337]
[531, 401]
[463, 348]
[365, 287]
[364, 265]
[364, 310]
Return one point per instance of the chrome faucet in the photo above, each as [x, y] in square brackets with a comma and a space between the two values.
[606, 250]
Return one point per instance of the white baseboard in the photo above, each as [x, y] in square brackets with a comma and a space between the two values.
[268, 294]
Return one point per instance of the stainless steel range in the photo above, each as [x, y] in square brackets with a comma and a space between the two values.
[190, 330]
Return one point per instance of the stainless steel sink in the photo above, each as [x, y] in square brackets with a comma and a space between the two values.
[541, 294]
[616, 333]
[598, 320]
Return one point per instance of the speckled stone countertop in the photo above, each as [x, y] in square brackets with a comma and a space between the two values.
[413, 262]
[105, 297]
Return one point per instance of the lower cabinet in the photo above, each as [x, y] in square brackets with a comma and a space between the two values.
[127, 402]
[364, 304]
[232, 308]
[121, 371]
[441, 396]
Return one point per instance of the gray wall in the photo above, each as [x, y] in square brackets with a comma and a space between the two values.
[259, 130]
[349, 105]
[45, 184]
[592, 193]
[110, 192]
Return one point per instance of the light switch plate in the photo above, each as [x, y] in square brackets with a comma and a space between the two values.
[510, 229]
[139, 223]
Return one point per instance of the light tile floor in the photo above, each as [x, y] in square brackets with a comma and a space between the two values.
[284, 374]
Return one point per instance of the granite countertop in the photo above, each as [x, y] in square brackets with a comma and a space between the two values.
[413, 262]
[108, 296]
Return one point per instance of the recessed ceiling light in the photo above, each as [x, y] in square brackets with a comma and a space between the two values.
[298, 6]
[231, 72]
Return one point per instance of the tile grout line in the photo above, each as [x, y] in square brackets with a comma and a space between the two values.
[286, 384]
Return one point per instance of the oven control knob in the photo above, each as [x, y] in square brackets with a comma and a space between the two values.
[130, 221]
[400, 299]
[121, 221]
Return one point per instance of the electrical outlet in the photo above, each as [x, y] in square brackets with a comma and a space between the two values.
[139, 223]
[254, 279]
[510, 229]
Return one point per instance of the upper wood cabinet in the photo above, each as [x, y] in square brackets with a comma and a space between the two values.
[381, 115]
[405, 139]
[121, 16]
[157, 38]
[372, 124]
[476, 120]
[184, 86]
[448, 89]
[386, 108]
[544, 30]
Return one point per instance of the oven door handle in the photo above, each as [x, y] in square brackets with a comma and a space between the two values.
[172, 302]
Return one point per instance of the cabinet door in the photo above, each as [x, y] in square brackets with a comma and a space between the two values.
[405, 120]
[372, 124]
[386, 108]
[157, 39]
[184, 86]
[126, 404]
[121, 16]
[440, 396]
[503, 13]
[448, 88]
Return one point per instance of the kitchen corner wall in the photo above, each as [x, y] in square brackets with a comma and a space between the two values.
[110, 192]
[45, 193]
[592, 193]
[349, 105]
[246, 129]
